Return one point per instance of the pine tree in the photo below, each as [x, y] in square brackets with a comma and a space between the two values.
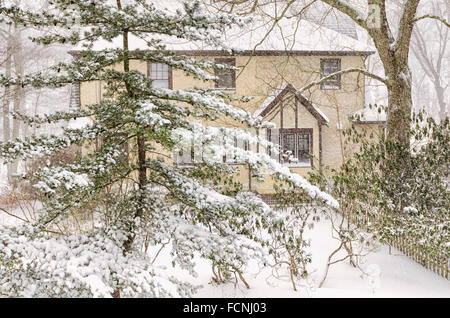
[148, 201]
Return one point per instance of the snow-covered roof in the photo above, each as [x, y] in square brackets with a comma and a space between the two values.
[295, 35]
[278, 93]
[370, 115]
[328, 17]
[288, 35]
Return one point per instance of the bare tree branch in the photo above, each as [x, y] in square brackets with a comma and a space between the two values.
[348, 70]
[405, 29]
[427, 16]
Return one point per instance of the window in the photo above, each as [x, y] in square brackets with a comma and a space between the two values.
[303, 148]
[190, 154]
[330, 66]
[226, 78]
[288, 146]
[160, 75]
[295, 145]
[238, 143]
[185, 156]
[75, 101]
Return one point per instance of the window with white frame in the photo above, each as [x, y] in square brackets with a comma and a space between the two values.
[330, 66]
[160, 75]
[226, 77]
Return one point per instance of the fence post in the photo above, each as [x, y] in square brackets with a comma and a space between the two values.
[446, 268]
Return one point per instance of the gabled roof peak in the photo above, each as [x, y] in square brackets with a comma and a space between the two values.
[281, 91]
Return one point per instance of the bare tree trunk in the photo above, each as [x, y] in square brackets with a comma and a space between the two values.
[443, 111]
[35, 111]
[7, 97]
[18, 96]
[399, 105]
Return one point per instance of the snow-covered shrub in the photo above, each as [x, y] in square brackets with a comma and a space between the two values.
[396, 192]
[288, 246]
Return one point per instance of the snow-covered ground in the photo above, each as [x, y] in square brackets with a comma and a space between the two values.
[395, 275]
[399, 276]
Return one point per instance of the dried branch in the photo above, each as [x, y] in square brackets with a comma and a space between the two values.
[428, 16]
[13, 215]
[349, 70]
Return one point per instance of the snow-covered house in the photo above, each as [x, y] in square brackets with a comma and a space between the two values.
[309, 122]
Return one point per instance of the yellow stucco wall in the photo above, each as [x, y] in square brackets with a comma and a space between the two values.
[259, 76]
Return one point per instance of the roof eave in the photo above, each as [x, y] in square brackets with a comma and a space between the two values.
[259, 53]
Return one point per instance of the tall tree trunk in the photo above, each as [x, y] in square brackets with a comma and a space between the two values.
[399, 106]
[443, 111]
[394, 54]
[7, 96]
[6, 101]
[18, 96]
[141, 152]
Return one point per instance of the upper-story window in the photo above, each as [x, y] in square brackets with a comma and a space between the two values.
[330, 66]
[160, 74]
[75, 101]
[226, 78]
